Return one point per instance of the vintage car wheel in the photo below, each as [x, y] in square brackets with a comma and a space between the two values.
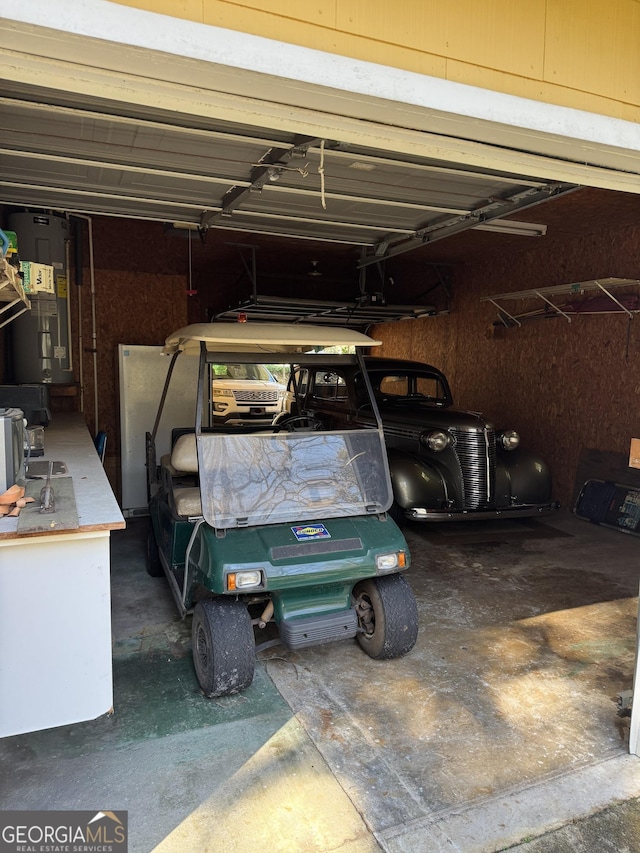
[223, 646]
[388, 615]
[152, 562]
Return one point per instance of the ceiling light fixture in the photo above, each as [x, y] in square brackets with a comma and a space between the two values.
[511, 226]
[314, 271]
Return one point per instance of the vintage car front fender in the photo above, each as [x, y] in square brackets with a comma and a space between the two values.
[525, 476]
[416, 483]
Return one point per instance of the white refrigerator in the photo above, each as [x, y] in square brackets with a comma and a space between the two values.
[142, 373]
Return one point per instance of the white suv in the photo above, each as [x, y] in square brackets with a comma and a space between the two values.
[245, 392]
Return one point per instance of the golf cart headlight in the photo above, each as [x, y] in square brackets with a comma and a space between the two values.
[222, 392]
[436, 441]
[509, 439]
[390, 562]
[244, 580]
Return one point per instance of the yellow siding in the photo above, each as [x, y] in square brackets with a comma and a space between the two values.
[576, 53]
[500, 34]
[320, 38]
[537, 90]
[595, 47]
[191, 10]
[322, 12]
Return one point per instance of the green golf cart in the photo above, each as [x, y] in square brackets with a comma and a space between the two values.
[280, 524]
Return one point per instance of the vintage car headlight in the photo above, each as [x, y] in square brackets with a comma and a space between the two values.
[390, 562]
[244, 580]
[509, 439]
[436, 441]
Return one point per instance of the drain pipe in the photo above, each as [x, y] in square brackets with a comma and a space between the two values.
[78, 263]
[94, 347]
[67, 269]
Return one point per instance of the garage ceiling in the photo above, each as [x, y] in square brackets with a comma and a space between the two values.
[99, 158]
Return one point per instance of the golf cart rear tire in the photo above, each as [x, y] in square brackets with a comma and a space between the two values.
[392, 627]
[152, 556]
[223, 646]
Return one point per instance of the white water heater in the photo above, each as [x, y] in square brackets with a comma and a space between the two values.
[40, 337]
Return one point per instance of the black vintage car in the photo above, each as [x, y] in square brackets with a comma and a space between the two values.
[446, 464]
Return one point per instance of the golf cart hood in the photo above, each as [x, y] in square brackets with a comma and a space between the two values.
[263, 337]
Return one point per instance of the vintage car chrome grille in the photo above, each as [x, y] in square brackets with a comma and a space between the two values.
[403, 432]
[476, 451]
[256, 396]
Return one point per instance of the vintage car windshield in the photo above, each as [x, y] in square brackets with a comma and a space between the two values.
[267, 478]
[406, 385]
[413, 385]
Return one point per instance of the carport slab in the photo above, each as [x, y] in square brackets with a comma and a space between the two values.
[524, 643]
[194, 774]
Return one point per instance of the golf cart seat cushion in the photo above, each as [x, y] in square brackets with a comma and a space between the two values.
[184, 456]
[187, 501]
[165, 462]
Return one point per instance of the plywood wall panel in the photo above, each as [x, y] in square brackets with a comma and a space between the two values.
[131, 308]
[563, 386]
[140, 297]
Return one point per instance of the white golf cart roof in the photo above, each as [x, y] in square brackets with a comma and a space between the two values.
[263, 337]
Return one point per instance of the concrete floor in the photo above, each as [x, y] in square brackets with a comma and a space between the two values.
[497, 729]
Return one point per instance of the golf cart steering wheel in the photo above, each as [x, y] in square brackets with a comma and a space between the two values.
[299, 423]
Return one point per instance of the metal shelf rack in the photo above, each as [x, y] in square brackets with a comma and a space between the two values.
[571, 300]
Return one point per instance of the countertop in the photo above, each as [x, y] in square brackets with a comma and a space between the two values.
[67, 440]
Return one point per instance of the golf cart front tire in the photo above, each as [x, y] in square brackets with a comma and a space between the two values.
[388, 616]
[223, 646]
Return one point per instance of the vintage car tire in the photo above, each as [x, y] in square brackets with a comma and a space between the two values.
[390, 623]
[223, 646]
[152, 555]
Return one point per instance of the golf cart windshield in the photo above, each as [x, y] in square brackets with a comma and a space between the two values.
[278, 474]
[253, 479]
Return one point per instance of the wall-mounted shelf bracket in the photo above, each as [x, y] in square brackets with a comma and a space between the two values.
[570, 300]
